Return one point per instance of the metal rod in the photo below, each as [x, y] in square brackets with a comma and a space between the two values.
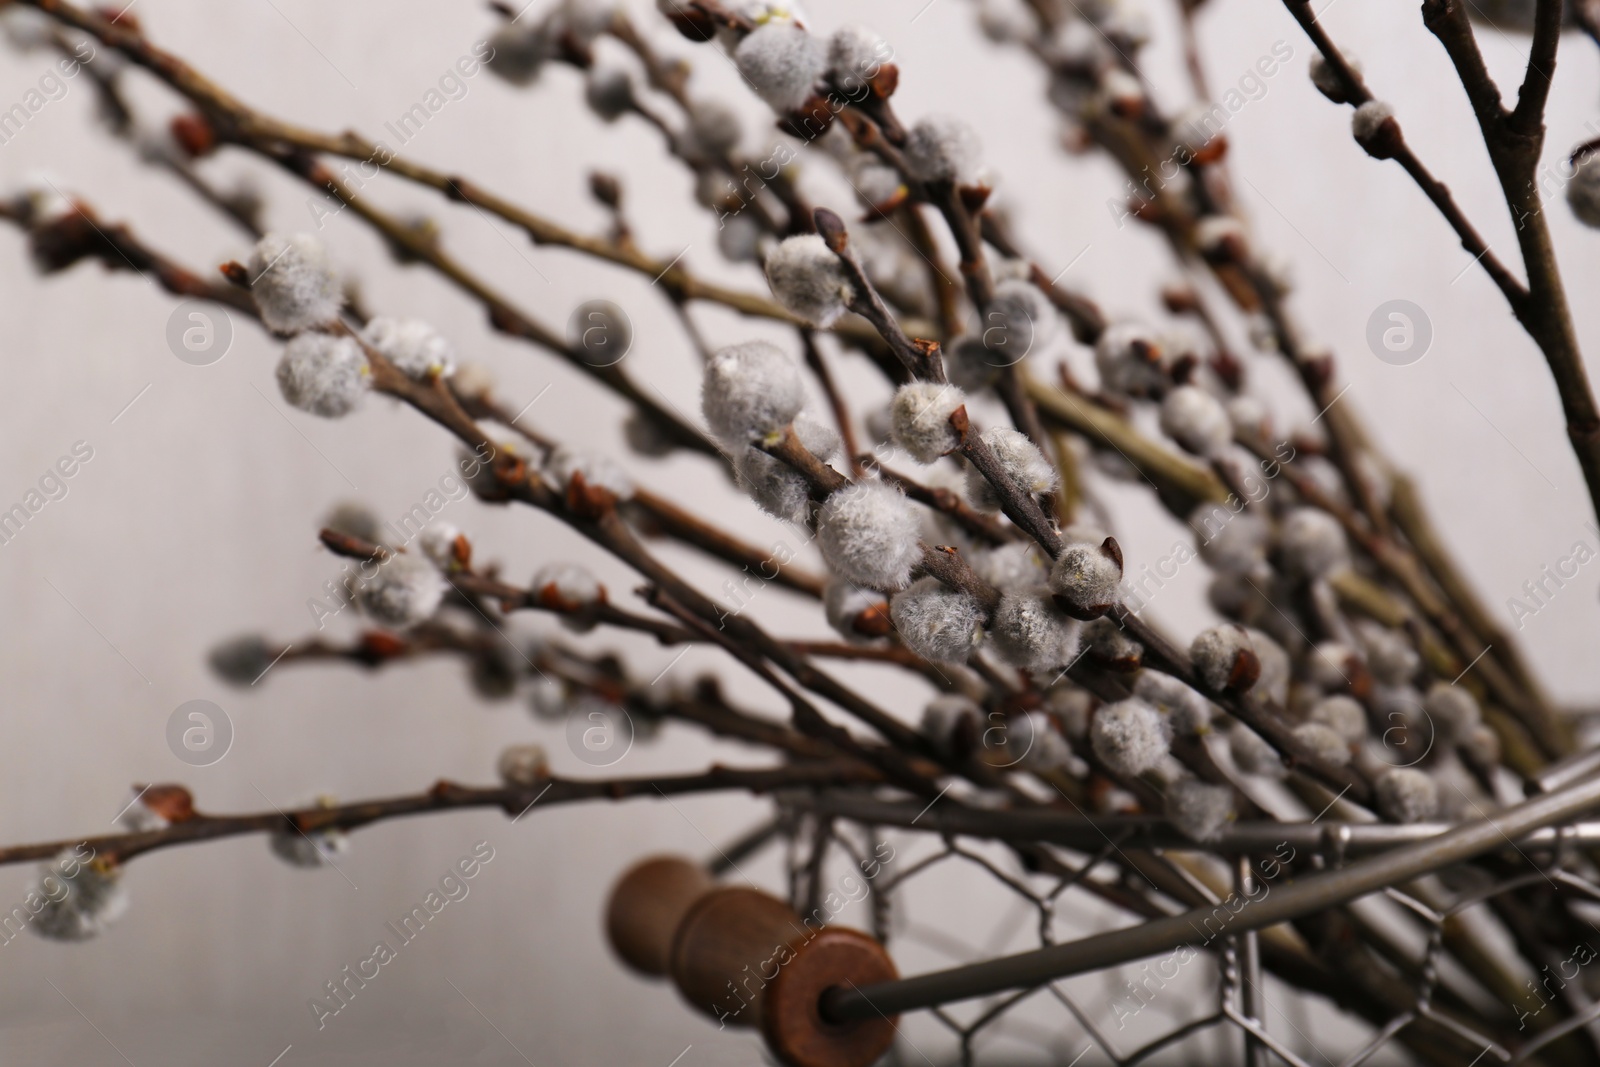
[1148, 831]
[1200, 926]
[1250, 995]
[1563, 773]
[745, 845]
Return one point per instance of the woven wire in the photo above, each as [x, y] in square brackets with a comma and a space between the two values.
[1255, 1020]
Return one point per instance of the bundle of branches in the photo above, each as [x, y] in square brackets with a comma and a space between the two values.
[1355, 723]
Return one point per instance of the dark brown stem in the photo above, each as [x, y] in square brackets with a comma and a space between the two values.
[830, 389]
[1514, 140]
[946, 564]
[946, 502]
[786, 446]
[692, 530]
[447, 796]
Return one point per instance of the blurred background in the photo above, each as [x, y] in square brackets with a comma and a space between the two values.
[196, 517]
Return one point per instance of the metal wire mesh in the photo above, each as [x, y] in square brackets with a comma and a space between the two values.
[1224, 1007]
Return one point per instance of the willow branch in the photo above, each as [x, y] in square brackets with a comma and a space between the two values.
[447, 796]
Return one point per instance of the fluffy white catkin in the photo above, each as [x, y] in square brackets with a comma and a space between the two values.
[242, 660]
[1030, 632]
[937, 622]
[138, 817]
[323, 375]
[1327, 80]
[1020, 459]
[292, 283]
[941, 148]
[406, 590]
[547, 699]
[1128, 358]
[1391, 657]
[1017, 567]
[1406, 794]
[855, 55]
[952, 724]
[1198, 809]
[869, 534]
[1111, 644]
[1196, 420]
[782, 63]
[1331, 665]
[1583, 190]
[523, 765]
[1324, 743]
[1130, 736]
[919, 419]
[1343, 715]
[1453, 710]
[970, 364]
[1367, 120]
[82, 899]
[519, 51]
[309, 850]
[1252, 754]
[749, 390]
[1216, 651]
[714, 128]
[1086, 578]
[1018, 320]
[608, 89]
[566, 586]
[357, 520]
[413, 346]
[1312, 543]
[1034, 744]
[1232, 543]
[438, 543]
[597, 470]
[1187, 711]
[808, 279]
[1072, 708]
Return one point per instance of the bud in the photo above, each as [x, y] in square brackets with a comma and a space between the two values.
[1376, 130]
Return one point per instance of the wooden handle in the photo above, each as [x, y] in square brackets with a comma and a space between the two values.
[647, 904]
[745, 958]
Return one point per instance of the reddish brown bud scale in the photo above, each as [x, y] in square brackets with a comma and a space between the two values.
[235, 273]
[886, 81]
[1212, 151]
[874, 621]
[974, 197]
[1113, 552]
[831, 228]
[377, 646]
[172, 802]
[1246, 671]
[606, 188]
[1180, 299]
[1385, 141]
[66, 240]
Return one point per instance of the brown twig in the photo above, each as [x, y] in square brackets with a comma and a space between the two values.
[446, 796]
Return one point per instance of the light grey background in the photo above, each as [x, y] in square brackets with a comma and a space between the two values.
[196, 517]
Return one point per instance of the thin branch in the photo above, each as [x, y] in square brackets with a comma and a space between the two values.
[447, 796]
